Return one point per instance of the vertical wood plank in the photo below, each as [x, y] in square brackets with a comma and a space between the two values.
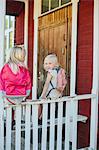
[46, 39]
[44, 127]
[8, 128]
[74, 124]
[67, 125]
[18, 128]
[52, 126]
[59, 129]
[51, 40]
[1, 124]
[35, 126]
[2, 31]
[94, 124]
[27, 127]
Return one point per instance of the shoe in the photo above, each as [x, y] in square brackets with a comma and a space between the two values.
[40, 121]
[13, 124]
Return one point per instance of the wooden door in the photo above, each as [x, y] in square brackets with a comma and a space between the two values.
[54, 34]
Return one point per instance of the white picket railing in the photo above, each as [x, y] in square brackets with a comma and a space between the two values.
[46, 136]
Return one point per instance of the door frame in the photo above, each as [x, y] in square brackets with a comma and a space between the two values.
[2, 32]
[95, 84]
[73, 47]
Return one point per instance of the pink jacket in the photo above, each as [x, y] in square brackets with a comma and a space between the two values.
[15, 84]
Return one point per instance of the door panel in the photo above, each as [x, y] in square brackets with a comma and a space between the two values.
[54, 34]
[51, 41]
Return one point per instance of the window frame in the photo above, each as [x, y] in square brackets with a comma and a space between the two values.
[7, 35]
[51, 10]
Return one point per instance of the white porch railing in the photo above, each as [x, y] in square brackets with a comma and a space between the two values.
[55, 133]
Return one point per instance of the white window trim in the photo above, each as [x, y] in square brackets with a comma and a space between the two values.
[2, 20]
[95, 86]
[35, 52]
[73, 47]
[52, 10]
[26, 29]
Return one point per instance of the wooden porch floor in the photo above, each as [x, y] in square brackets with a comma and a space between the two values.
[39, 145]
[31, 145]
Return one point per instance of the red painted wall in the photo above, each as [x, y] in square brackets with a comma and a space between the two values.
[84, 64]
[19, 34]
[19, 28]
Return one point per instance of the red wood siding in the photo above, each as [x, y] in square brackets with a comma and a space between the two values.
[84, 63]
[19, 30]
[30, 37]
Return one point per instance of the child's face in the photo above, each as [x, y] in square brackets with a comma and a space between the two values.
[48, 65]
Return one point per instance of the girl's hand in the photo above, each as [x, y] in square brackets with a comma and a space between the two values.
[42, 97]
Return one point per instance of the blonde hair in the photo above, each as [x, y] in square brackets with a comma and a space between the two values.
[16, 58]
[52, 58]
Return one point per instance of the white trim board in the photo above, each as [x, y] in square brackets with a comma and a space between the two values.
[35, 53]
[26, 30]
[2, 20]
[95, 86]
[73, 47]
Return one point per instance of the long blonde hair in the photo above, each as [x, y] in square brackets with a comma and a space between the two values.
[16, 58]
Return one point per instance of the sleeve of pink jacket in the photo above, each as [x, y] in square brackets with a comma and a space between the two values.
[29, 85]
[2, 87]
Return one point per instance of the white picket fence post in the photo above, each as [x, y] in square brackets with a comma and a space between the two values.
[52, 126]
[8, 127]
[59, 126]
[27, 126]
[74, 124]
[1, 123]
[67, 126]
[35, 126]
[44, 126]
[18, 128]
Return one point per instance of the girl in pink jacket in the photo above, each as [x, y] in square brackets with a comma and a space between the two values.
[14, 77]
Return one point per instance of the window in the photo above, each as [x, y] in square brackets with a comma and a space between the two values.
[64, 1]
[10, 21]
[10, 39]
[5, 43]
[9, 34]
[48, 5]
[45, 5]
[54, 4]
[6, 22]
